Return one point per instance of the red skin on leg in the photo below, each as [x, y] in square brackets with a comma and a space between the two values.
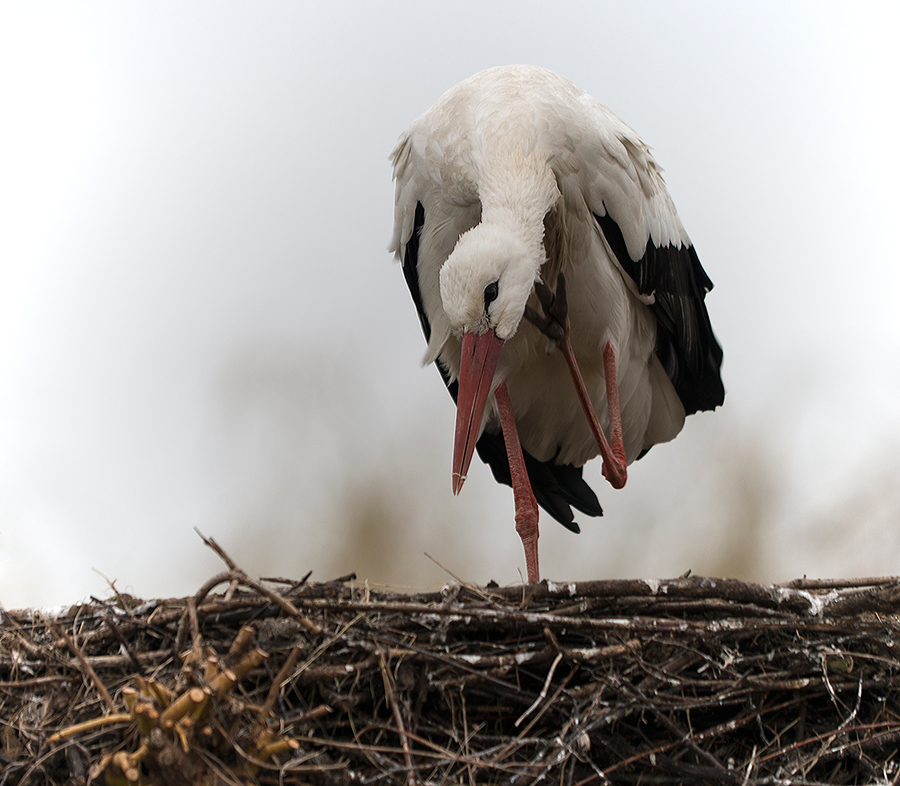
[526, 505]
[614, 466]
[554, 323]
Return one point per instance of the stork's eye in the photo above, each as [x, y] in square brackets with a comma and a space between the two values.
[490, 293]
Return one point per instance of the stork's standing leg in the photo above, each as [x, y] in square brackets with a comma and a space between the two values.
[526, 505]
[555, 325]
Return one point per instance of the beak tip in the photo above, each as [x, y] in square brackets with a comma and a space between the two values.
[458, 481]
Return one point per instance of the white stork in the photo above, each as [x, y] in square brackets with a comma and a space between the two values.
[518, 194]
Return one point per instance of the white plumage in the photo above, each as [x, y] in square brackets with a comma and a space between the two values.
[512, 177]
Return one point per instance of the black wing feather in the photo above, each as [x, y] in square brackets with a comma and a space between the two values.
[685, 343]
[557, 487]
[411, 271]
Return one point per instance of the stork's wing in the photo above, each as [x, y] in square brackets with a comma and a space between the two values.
[626, 193]
[556, 487]
[685, 343]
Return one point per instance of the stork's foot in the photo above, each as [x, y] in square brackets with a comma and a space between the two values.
[554, 323]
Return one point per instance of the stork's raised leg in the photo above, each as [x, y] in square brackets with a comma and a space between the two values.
[554, 323]
[526, 505]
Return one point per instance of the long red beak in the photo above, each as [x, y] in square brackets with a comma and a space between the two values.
[476, 372]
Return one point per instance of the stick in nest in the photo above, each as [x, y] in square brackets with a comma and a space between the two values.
[88, 669]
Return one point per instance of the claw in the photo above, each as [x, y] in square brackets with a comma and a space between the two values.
[545, 295]
[554, 322]
[559, 306]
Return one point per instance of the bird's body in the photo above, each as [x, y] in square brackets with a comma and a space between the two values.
[513, 177]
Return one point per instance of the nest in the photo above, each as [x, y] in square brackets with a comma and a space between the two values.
[691, 680]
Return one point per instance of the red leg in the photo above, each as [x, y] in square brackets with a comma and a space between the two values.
[615, 414]
[614, 466]
[554, 323]
[526, 505]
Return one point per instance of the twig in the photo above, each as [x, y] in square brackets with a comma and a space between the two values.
[282, 675]
[242, 578]
[411, 777]
[26, 645]
[865, 729]
[543, 694]
[211, 543]
[872, 581]
[196, 640]
[88, 669]
[462, 582]
[135, 663]
[88, 725]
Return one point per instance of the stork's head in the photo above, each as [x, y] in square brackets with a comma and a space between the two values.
[485, 284]
[487, 280]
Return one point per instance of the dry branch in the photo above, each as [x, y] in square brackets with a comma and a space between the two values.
[691, 680]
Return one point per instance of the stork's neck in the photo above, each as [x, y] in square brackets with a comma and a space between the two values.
[517, 194]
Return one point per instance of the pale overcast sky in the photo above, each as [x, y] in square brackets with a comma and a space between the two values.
[200, 325]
